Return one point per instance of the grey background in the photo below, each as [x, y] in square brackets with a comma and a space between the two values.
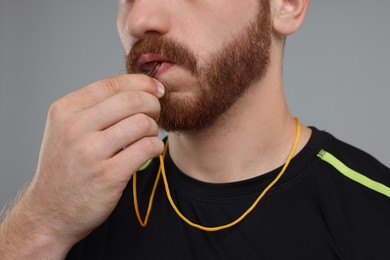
[336, 71]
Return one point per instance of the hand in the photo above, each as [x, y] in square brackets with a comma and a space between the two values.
[95, 139]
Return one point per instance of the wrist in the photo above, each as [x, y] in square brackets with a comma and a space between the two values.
[24, 235]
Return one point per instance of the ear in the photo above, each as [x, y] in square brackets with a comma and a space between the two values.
[288, 15]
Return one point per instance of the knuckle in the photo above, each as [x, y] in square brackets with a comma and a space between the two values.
[147, 145]
[155, 102]
[134, 100]
[152, 146]
[111, 84]
[153, 129]
[144, 123]
[56, 108]
[159, 147]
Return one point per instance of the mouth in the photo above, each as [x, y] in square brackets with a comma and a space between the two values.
[151, 64]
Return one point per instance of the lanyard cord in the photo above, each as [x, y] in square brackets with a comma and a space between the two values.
[161, 171]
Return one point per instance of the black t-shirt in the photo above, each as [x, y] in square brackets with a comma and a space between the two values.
[331, 203]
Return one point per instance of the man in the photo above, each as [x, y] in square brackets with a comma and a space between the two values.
[214, 83]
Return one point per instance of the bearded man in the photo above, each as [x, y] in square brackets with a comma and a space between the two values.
[237, 176]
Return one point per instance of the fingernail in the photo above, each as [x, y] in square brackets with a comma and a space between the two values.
[160, 89]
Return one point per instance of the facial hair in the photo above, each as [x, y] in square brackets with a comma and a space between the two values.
[228, 74]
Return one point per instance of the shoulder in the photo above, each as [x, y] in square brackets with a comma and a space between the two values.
[353, 189]
[356, 165]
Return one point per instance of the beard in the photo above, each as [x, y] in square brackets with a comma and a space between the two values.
[226, 76]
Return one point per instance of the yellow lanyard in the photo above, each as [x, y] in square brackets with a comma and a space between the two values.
[161, 171]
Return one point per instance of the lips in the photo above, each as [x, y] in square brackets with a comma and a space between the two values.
[147, 61]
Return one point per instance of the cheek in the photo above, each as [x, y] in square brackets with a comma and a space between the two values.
[212, 26]
[124, 38]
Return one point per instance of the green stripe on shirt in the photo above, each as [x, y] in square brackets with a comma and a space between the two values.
[354, 175]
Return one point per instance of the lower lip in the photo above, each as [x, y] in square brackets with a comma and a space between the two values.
[164, 67]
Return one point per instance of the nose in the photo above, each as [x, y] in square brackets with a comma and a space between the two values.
[147, 17]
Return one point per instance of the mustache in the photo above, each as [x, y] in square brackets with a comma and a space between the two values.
[175, 52]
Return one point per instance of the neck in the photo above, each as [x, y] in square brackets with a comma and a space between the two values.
[254, 137]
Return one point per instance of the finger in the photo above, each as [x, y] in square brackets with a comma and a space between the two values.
[129, 160]
[120, 106]
[103, 89]
[127, 132]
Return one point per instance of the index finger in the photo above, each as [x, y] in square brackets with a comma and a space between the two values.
[103, 89]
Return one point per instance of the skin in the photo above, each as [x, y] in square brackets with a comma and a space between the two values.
[224, 152]
[83, 168]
